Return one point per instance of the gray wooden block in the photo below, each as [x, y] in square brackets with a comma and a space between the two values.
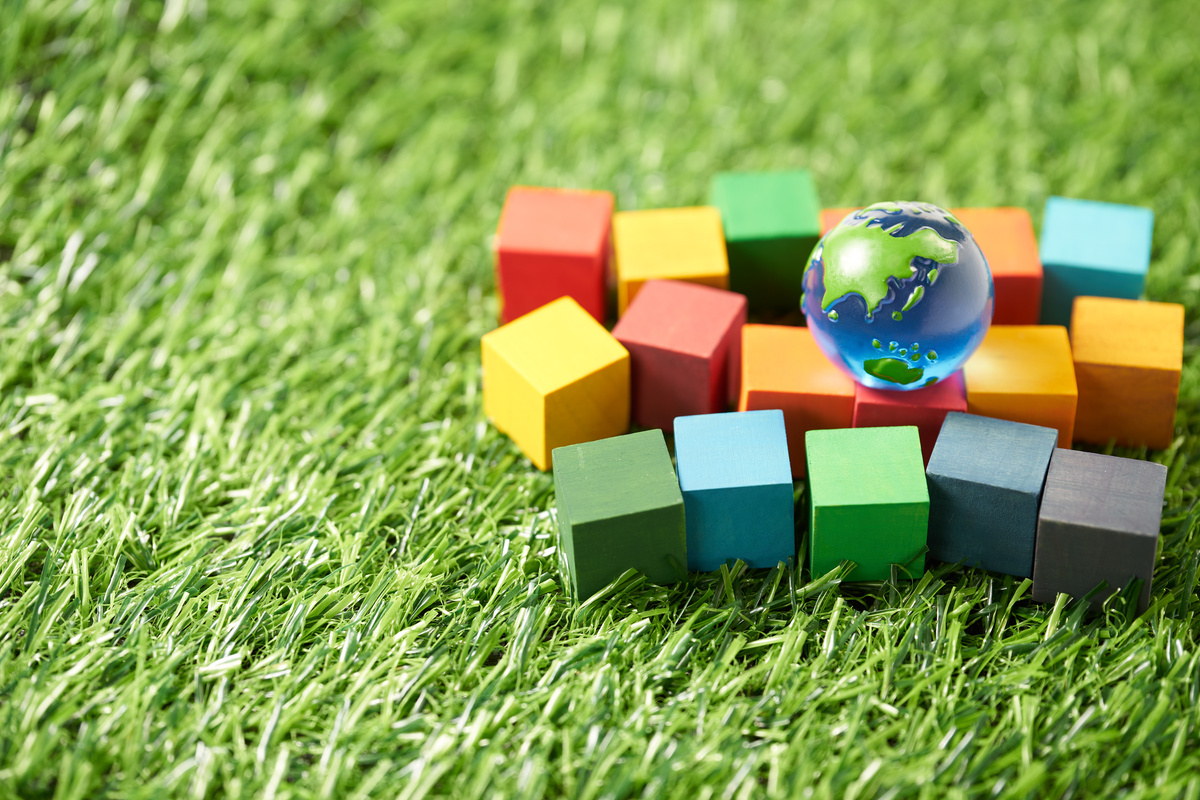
[1099, 521]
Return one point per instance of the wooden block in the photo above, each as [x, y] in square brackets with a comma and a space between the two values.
[985, 482]
[1006, 237]
[924, 408]
[553, 243]
[772, 223]
[737, 489]
[1128, 360]
[783, 368]
[1094, 249]
[830, 217]
[1099, 521]
[685, 344]
[555, 377]
[1024, 373]
[868, 501]
[683, 244]
[618, 508]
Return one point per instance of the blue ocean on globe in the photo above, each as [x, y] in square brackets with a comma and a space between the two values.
[898, 295]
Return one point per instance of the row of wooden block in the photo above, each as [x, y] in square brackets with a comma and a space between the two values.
[997, 495]
[556, 377]
[756, 236]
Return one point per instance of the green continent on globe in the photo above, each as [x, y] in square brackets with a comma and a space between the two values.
[893, 370]
[863, 257]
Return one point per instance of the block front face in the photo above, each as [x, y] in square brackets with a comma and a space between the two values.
[1099, 521]
[869, 501]
[783, 368]
[619, 507]
[772, 223]
[831, 217]
[1006, 237]
[552, 243]
[672, 243]
[1024, 373]
[985, 481]
[924, 408]
[753, 523]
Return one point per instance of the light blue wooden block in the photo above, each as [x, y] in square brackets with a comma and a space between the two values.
[736, 480]
[1092, 249]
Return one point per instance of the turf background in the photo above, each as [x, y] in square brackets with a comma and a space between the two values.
[255, 537]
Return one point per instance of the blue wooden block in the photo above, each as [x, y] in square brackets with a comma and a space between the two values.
[736, 480]
[1093, 249]
[985, 482]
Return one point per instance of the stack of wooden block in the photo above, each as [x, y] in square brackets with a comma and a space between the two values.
[682, 352]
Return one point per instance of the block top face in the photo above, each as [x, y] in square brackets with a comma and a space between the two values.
[669, 243]
[782, 358]
[1105, 492]
[1006, 237]
[1022, 359]
[865, 466]
[767, 205]
[948, 393]
[1085, 233]
[614, 477]
[1134, 333]
[997, 452]
[555, 345]
[724, 451]
[563, 221]
[679, 316]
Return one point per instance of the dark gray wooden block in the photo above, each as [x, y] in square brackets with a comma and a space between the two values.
[985, 481]
[1099, 521]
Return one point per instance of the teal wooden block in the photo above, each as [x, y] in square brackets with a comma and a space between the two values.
[772, 222]
[868, 502]
[1092, 249]
[736, 479]
[619, 507]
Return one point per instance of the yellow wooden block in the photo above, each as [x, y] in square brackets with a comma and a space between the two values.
[1024, 373]
[683, 244]
[555, 377]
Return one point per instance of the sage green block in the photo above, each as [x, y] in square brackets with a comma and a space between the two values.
[772, 222]
[619, 507]
[869, 502]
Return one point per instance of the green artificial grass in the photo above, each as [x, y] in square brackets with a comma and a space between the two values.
[256, 538]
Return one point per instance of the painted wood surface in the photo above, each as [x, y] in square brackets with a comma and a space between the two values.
[985, 482]
[1092, 249]
[685, 345]
[925, 409]
[552, 243]
[619, 507]
[868, 501]
[1024, 373]
[684, 244]
[830, 217]
[1006, 237]
[737, 488]
[555, 377]
[772, 223]
[1099, 522]
[1128, 360]
[783, 368]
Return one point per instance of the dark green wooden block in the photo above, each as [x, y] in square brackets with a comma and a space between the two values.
[619, 507]
[772, 222]
[868, 501]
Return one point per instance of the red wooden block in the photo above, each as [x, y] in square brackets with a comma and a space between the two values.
[685, 344]
[925, 408]
[553, 243]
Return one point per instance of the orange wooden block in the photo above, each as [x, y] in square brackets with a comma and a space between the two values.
[783, 368]
[830, 217]
[1024, 373]
[1128, 359]
[1005, 235]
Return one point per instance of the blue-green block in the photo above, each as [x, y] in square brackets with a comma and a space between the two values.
[1092, 249]
[737, 488]
[985, 484]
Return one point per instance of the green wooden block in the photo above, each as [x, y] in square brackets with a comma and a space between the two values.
[619, 507]
[772, 222]
[868, 501]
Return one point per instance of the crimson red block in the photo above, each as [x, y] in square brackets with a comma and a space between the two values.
[685, 344]
[552, 243]
[925, 408]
